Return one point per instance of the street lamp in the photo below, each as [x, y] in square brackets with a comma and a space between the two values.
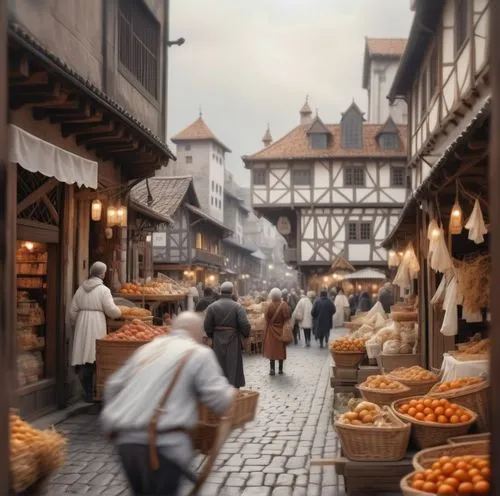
[271, 266]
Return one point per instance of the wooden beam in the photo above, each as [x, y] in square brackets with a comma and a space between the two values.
[478, 144]
[51, 209]
[36, 195]
[81, 110]
[96, 137]
[19, 68]
[103, 126]
[35, 78]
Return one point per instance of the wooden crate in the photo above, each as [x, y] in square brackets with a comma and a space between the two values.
[344, 374]
[110, 356]
[366, 371]
[388, 363]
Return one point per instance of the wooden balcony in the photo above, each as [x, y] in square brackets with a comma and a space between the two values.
[206, 257]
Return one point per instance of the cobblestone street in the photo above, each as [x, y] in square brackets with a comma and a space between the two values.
[269, 457]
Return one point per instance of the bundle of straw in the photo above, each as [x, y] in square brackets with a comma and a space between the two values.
[474, 278]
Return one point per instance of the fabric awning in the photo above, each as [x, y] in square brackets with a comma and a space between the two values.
[37, 155]
[366, 274]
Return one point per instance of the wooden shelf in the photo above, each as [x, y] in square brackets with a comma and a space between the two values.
[36, 386]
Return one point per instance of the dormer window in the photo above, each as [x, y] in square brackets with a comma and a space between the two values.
[388, 141]
[351, 126]
[318, 134]
[318, 141]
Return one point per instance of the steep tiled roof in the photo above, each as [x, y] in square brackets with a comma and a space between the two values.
[167, 193]
[198, 131]
[208, 218]
[392, 47]
[295, 145]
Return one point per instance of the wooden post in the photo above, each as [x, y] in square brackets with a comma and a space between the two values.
[7, 263]
[494, 198]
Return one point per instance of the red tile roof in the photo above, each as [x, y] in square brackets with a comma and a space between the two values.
[386, 46]
[198, 131]
[295, 145]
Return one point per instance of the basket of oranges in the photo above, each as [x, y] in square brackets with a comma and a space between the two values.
[471, 392]
[370, 433]
[348, 352]
[434, 420]
[382, 390]
[418, 379]
[462, 470]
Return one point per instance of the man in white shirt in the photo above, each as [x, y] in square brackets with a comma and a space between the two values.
[136, 392]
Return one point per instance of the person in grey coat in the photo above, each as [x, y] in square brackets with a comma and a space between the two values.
[226, 322]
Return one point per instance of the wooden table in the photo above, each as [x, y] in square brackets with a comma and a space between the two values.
[153, 302]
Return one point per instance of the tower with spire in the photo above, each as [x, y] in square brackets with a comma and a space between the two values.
[306, 115]
[267, 139]
[202, 155]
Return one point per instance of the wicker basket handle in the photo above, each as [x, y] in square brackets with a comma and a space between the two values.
[223, 431]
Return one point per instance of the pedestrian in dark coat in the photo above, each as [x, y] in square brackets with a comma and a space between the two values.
[323, 311]
[386, 297]
[365, 302]
[353, 303]
[293, 300]
[208, 299]
[226, 322]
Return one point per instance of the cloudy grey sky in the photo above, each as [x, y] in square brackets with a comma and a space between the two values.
[249, 62]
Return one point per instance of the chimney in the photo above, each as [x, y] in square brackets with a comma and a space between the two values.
[306, 113]
[267, 139]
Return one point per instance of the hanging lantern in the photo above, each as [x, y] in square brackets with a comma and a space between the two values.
[96, 210]
[394, 259]
[456, 219]
[121, 216]
[111, 216]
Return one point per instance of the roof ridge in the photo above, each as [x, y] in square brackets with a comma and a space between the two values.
[187, 176]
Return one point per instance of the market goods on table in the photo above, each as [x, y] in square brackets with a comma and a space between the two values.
[29, 368]
[115, 348]
[343, 345]
[434, 420]
[33, 453]
[255, 313]
[473, 350]
[137, 330]
[419, 380]
[368, 432]
[462, 382]
[134, 312]
[153, 288]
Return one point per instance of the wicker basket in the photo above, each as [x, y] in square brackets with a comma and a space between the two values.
[377, 444]
[416, 387]
[23, 470]
[348, 359]
[203, 437]
[425, 458]
[245, 409]
[430, 434]
[474, 397]
[388, 363]
[406, 490]
[382, 396]
[485, 436]
[352, 326]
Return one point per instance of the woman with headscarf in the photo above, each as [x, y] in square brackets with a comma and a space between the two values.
[342, 309]
[302, 315]
[90, 306]
[365, 302]
[276, 315]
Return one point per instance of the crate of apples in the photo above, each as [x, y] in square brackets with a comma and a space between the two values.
[457, 475]
[137, 330]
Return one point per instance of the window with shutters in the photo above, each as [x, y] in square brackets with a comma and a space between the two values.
[259, 177]
[301, 177]
[139, 44]
[354, 176]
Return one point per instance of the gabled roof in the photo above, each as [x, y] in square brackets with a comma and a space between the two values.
[167, 193]
[378, 48]
[389, 126]
[317, 127]
[200, 213]
[353, 108]
[198, 131]
[295, 145]
[341, 264]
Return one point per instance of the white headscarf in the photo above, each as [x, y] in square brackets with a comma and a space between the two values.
[98, 269]
[275, 294]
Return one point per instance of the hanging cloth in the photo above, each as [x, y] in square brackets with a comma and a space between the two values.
[402, 278]
[475, 224]
[450, 321]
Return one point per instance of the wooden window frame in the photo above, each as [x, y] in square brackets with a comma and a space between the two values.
[465, 18]
[124, 69]
[315, 135]
[397, 141]
[392, 182]
[265, 176]
[302, 170]
[189, 159]
[359, 224]
[353, 168]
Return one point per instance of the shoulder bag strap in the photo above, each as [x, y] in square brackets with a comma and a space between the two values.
[273, 318]
[153, 452]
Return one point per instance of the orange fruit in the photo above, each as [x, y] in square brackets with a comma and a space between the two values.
[454, 419]
[465, 488]
[482, 487]
[439, 410]
[448, 468]
[419, 476]
[412, 411]
[445, 489]
[461, 475]
[430, 418]
[420, 416]
[418, 484]
[449, 412]
[486, 472]
[451, 481]
[429, 487]
[442, 419]
[420, 407]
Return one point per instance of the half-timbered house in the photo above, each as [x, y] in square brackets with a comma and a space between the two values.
[191, 246]
[444, 77]
[332, 189]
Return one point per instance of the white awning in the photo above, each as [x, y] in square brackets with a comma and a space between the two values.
[37, 155]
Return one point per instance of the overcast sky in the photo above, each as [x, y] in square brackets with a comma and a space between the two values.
[249, 62]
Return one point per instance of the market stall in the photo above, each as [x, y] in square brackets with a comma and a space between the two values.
[255, 313]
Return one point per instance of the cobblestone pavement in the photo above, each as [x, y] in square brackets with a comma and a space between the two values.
[269, 457]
